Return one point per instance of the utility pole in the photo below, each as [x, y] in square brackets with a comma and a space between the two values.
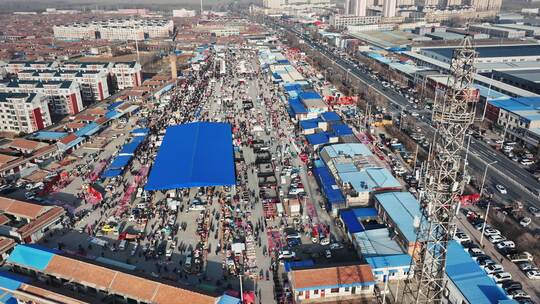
[443, 179]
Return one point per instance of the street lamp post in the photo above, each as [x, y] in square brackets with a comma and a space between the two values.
[489, 202]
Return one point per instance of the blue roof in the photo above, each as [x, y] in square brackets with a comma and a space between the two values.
[365, 212]
[402, 208]
[120, 162]
[297, 106]
[227, 299]
[349, 149]
[289, 87]
[308, 124]
[341, 129]
[318, 138]
[328, 184]
[378, 57]
[48, 135]
[494, 51]
[88, 129]
[351, 221]
[298, 264]
[111, 173]
[370, 179]
[309, 95]
[11, 281]
[389, 261]
[31, 256]
[377, 242]
[473, 282]
[276, 76]
[526, 107]
[114, 105]
[131, 147]
[112, 114]
[330, 116]
[490, 94]
[194, 155]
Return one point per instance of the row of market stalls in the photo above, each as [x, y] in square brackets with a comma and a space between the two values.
[125, 154]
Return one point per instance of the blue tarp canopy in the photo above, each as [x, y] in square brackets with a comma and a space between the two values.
[298, 264]
[365, 212]
[140, 131]
[120, 162]
[328, 185]
[276, 76]
[330, 116]
[194, 155]
[351, 221]
[297, 106]
[113, 114]
[129, 148]
[88, 130]
[318, 138]
[111, 173]
[114, 105]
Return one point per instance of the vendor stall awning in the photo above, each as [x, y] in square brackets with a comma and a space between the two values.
[194, 155]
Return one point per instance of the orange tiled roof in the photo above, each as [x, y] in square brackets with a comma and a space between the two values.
[66, 140]
[122, 283]
[75, 125]
[4, 159]
[6, 244]
[331, 276]
[42, 220]
[49, 295]
[96, 111]
[20, 208]
[25, 144]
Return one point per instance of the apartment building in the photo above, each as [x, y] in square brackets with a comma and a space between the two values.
[119, 75]
[116, 29]
[64, 97]
[340, 21]
[24, 112]
[93, 84]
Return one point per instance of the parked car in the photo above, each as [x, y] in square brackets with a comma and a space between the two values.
[493, 268]
[511, 285]
[534, 211]
[461, 237]
[526, 266]
[286, 254]
[496, 239]
[526, 221]
[491, 231]
[518, 293]
[533, 274]
[505, 244]
[501, 277]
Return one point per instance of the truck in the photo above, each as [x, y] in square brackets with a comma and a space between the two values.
[520, 257]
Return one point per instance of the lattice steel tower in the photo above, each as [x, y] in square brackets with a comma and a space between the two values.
[443, 178]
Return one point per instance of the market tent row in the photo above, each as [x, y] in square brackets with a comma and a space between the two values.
[123, 158]
[196, 154]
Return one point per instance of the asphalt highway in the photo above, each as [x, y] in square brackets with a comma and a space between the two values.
[521, 184]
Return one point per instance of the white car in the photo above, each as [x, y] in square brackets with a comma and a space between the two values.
[534, 211]
[501, 189]
[494, 268]
[286, 254]
[526, 221]
[496, 239]
[506, 244]
[491, 231]
[533, 274]
[461, 237]
[501, 277]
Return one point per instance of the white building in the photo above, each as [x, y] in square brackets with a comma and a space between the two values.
[93, 84]
[63, 97]
[116, 29]
[24, 112]
[340, 21]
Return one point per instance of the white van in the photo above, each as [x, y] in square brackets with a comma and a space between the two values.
[141, 205]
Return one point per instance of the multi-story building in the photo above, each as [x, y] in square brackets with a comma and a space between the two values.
[120, 75]
[64, 97]
[93, 84]
[497, 32]
[389, 8]
[116, 29]
[340, 21]
[23, 112]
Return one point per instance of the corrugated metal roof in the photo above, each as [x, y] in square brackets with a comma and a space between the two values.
[389, 261]
[402, 208]
[347, 149]
[377, 242]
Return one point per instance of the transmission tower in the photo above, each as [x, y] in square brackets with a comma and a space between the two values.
[443, 178]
